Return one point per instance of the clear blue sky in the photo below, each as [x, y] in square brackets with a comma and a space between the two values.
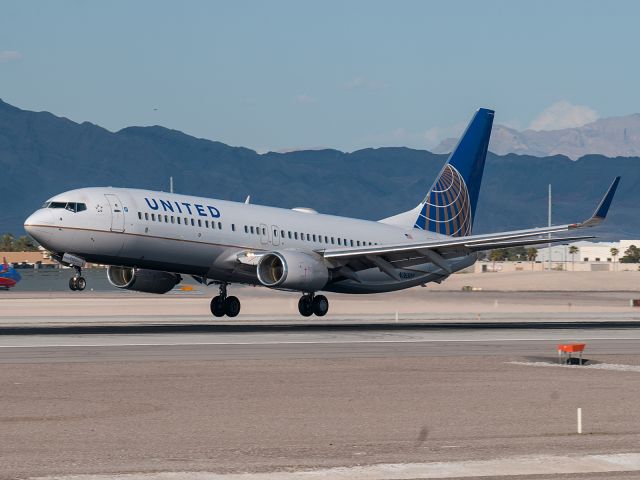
[342, 74]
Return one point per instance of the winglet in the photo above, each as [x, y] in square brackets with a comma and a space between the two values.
[603, 207]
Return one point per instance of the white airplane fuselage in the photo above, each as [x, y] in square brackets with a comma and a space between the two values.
[205, 237]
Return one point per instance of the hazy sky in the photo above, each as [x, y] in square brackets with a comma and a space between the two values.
[342, 74]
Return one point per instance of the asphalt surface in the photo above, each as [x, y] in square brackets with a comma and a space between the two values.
[313, 342]
[144, 397]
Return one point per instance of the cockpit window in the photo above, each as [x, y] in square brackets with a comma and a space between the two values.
[71, 206]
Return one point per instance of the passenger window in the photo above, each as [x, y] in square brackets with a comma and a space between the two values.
[172, 219]
[358, 243]
[308, 237]
[219, 225]
[295, 234]
[264, 231]
[199, 222]
[326, 239]
[289, 234]
[246, 230]
[339, 241]
[146, 216]
[332, 242]
[179, 220]
[153, 217]
[252, 230]
[233, 227]
[139, 215]
[352, 243]
[206, 223]
[193, 223]
[166, 219]
[275, 233]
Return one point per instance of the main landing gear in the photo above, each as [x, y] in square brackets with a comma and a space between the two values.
[77, 282]
[311, 304]
[222, 305]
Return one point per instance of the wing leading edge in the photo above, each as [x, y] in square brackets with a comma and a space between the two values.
[436, 251]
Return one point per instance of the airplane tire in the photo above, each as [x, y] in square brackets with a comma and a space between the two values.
[320, 305]
[73, 284]
[305, 306]
[217, 307]
[81, 283]
[232, 306]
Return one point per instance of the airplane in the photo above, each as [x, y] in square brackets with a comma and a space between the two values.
[150, 239]
[8, 275]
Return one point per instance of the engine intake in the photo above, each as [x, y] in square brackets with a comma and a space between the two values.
[293, 270]
[142, 280]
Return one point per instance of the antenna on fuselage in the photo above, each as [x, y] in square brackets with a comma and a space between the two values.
[170, 184]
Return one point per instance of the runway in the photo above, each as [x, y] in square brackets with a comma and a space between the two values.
[441, 394]
[313, 343]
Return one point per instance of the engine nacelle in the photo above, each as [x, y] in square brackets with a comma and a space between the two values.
[293, 270]
[142, 280]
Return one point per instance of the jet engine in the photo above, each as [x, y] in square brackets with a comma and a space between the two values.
[293, 270]
[142, 280]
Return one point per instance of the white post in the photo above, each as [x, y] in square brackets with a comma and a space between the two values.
[579, 420]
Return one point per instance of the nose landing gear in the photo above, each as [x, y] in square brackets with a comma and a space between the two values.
[222, 305]
[311, 304]
[77, 282]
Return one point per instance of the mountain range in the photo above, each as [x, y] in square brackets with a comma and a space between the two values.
[42, 154]
[611, 137]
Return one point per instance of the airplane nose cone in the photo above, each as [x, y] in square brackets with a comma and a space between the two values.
[37, 225]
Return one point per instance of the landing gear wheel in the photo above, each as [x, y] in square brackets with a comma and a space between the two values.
[305, 306]
[81, 283]
[73, 283]
[320, 305]
[232, 306]
[217, 306]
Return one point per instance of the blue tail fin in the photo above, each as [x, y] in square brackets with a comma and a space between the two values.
[450, 206]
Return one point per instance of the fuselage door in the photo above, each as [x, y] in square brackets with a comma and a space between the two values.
[275, 235]
[117, 212]
[264, 234]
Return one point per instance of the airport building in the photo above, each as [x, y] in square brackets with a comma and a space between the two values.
[591, 256]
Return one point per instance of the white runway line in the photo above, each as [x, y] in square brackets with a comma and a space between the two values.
[596, 366]
[262, 339]
[513, 466]
[296, 342]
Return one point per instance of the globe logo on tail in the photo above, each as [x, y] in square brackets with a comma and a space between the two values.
[447, 208]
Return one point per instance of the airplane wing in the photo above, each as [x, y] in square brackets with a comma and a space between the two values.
[388, 257]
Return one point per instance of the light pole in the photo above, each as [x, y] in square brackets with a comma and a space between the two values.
[549, 226]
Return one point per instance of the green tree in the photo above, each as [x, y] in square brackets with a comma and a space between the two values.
[572, 251]
[614, 253]
[24, 244]
[497, 255]
[6, 242]
[631, 255]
